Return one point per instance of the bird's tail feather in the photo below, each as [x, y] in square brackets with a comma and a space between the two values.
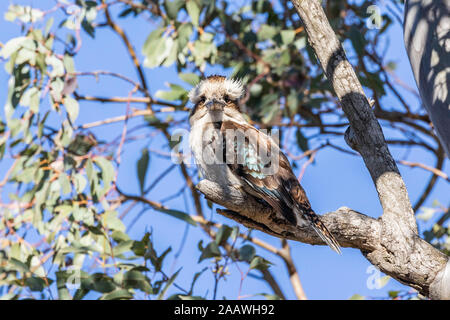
[326, 236]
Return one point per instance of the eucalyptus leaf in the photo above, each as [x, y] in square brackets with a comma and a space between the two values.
[190, 78]
[142, 167]
[72, 108]
[287, 36]
[177, 214]
[193, 10]
[210, 251]
[168, 284]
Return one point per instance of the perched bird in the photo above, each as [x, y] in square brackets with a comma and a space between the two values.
[229, 151]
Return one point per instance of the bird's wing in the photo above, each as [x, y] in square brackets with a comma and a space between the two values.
[252, 158]
[250, 154]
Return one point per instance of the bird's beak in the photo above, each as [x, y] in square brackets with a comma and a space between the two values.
[214, 104]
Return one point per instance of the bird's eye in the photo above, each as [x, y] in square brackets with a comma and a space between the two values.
[202, 99]
[227, 98]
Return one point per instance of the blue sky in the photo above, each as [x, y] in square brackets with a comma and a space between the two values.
[334, 180]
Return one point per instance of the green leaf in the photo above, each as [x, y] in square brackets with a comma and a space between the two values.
[194, 11]
[35, 284]
[157, 48]
[172, 8]
[140, 247]
[112, 222]
[176, 93]
[61, 280]
[57, 66]
[161, 48]
[18, 265]
[357, 39]
[300, 43]
[149, 42]
[195, 278]
[25, 14]
[302, 142]
[122, 247]
[65, 183]
[80, 183]
[190, 78]
[81, 145]
[287, 36]
[259, 263]
[72, 108]
[26, 55]
[223, 234]
[247, 252]
[393, 294]
[234, 233]
[121, 294]
[210, 251]
[11, 46]
[177, 214]
[292, 103]
[135, 279]
[57, 86]
[120, 236]
[167, 95]
[168, 284]
[256, 90]
[266, 32]
[142, 167]
[206, 37]
[88, 28]
[269, 107]
[171, 55]
[391, 65]
[107, 173]
[184, 34]
[16, 87]
[158, 261]
[91, 11]
[69, 64]
[383, 281]
[48, 25]
[31, 98]
[102, 283]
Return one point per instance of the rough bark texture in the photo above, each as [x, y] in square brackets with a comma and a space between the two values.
[427, 41]
[391, 242]
[351, 228]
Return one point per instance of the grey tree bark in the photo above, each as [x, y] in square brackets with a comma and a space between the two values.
[391, 242]
[426, 32]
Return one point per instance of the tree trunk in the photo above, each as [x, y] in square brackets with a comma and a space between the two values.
[427, 40]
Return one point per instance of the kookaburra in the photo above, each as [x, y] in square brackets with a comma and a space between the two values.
[229, 151]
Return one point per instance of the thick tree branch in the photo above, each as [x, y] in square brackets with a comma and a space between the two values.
[426, 35]
[400, 252]
[391, 242]
[351, 228]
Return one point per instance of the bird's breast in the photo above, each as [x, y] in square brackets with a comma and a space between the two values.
[206, 143]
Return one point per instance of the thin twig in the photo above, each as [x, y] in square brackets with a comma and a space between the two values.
[125, 126]
[435, 171]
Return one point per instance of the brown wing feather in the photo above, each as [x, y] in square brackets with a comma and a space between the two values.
[281, 190]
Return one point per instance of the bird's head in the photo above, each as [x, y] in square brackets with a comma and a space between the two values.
[215, 94]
